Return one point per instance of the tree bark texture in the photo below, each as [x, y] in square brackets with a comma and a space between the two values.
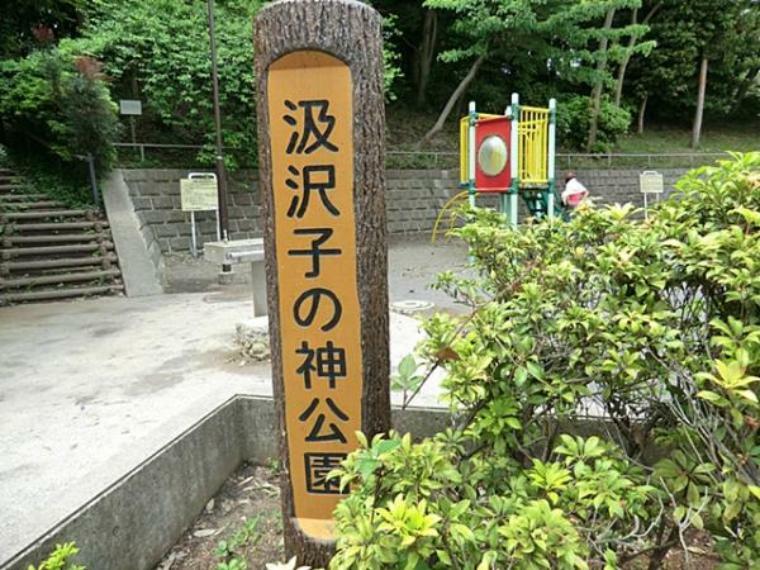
[696, 133]
[629, 51]
[350, 31]
[642, 114]
[458, 92]
[426, 55]
[596, 92]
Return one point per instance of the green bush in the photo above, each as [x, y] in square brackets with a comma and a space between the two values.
[653, 323]
[60, 559]
[61, 102]
[574, 120]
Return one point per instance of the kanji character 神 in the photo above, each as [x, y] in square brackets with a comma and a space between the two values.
[330, 363]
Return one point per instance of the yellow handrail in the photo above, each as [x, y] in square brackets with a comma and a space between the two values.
[449, 204]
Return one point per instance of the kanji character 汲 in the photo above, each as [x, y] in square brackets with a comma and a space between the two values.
[330, 363]
[323, 234]
[319, 178]
[316, 434]
[315, 295]
[299, 141]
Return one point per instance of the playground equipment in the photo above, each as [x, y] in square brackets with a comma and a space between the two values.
[511, 155]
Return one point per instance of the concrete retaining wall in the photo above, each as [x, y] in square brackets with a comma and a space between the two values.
[414, 198]
[134, 522]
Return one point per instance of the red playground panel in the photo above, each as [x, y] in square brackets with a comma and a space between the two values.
[492, 170]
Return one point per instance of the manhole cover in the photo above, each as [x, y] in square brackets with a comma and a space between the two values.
[411, 306]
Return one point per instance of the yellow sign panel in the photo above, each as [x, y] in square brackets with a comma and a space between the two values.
[311, 130]
[198, 194]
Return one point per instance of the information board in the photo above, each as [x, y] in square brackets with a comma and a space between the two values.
[651, 182]
[199, 194]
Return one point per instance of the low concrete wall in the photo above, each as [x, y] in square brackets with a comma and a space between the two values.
[134, 522]
[414, 199]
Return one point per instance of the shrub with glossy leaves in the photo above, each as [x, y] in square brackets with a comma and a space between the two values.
[653, 324]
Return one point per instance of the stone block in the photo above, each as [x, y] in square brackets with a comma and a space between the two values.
[165, 230]
[162, 203]
[141, 203]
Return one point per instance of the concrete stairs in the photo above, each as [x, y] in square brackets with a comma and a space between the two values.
[50, 252]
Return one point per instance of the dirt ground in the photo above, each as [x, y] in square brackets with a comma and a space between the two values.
[244, 516]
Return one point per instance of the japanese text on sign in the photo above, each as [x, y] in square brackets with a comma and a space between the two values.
[310, 110]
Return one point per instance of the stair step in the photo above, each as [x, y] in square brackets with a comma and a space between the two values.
[104, 260]
[55, 250]
[60, 293]
[8, 198]
[59, 278]
[43, 227]
[44, 214]
[10, 241]
[40, 205]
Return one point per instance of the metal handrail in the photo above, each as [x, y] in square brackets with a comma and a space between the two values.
[438, 154]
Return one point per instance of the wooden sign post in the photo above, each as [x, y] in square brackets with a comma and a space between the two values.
[321, 155]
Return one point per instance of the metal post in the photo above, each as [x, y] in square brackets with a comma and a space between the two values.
[550, 162]
[471, 153]
[221, 173]
[93, 180]
[514, 164]
[193, 243]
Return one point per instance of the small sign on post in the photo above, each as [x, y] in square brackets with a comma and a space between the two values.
[651, 182]
[199, 193]
[132, 108]
[321, 149]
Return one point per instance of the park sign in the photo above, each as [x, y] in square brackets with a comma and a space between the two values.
[199, 193]
[321, 155]
[651, 182]
[130, 107]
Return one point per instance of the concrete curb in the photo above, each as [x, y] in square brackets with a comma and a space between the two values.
[132, 523]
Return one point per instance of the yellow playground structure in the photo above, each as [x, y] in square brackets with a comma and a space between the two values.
[509, 155]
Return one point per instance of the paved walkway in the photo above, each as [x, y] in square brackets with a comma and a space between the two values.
[89, 389]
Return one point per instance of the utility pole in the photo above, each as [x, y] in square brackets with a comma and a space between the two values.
[221, 172]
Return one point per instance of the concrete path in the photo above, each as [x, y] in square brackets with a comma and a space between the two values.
[90, 389]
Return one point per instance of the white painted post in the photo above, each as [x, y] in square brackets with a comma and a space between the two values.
[552, 150]
[471, 155]
[193, 243]
[514, 163]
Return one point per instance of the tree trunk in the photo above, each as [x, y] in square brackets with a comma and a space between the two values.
[626, 58]
[426, 55]
[629, 52]
[296, 43]
[458, 92]
[596, 93]
[642, 113]
[696, 132]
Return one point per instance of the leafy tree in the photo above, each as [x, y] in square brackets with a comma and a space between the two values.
[566, 36]
[61, 102]
[696, 41]
[655, 324]
[25, 25]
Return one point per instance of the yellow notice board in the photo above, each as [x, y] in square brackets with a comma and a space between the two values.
[310, 110]
[198, 194]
